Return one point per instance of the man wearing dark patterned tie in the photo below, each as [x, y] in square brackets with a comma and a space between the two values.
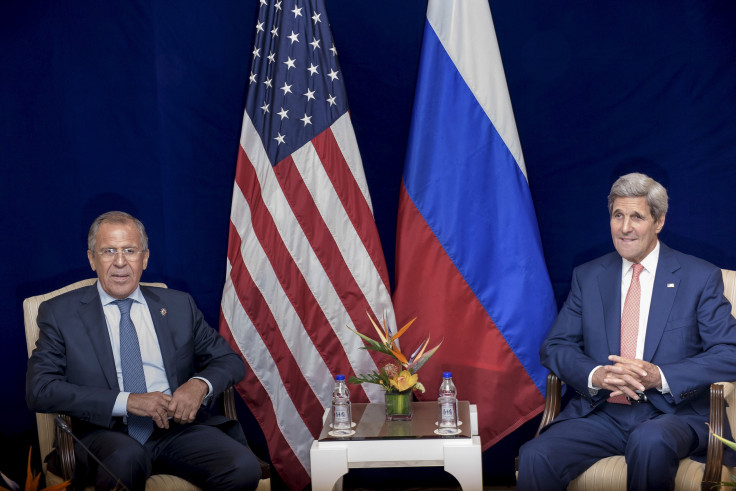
[136, 367]
[643, 333]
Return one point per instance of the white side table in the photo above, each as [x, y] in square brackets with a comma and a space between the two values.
[381, 443]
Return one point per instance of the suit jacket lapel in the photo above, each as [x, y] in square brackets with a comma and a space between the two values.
[93, 318]
[609, 283]
[163, 333]
[663, 298]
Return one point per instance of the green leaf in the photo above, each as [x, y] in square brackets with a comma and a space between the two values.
[725, 441]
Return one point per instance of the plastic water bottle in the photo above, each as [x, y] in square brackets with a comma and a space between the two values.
[447, 406]
[342, 417]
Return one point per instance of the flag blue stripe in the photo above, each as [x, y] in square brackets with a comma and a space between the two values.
[470, 190]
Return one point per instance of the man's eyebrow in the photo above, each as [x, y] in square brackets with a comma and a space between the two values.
[634, 212]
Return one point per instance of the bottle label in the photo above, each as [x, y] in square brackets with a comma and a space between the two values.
[341, 414]
[448, 413]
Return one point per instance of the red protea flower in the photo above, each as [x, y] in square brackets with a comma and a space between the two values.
[391, 369]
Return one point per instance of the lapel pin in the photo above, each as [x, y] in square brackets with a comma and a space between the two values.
[670, 285]
[163, 312]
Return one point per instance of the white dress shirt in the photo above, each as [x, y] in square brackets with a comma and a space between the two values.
[646, 281]
[153, 363]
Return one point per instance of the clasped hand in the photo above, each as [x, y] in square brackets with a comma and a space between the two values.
[182, 406]
[627, 376]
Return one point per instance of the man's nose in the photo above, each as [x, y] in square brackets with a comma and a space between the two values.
[119, 259]
[626, 225]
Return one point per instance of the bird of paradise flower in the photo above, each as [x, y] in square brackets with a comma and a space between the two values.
[400, 373]
[32, 481]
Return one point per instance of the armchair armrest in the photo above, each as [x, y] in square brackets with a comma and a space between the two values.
[65, 448]
[228, 404]
[552, 406]
[553, 401]
[714, 458]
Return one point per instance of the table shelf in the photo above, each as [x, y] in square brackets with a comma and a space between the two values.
[381, 443]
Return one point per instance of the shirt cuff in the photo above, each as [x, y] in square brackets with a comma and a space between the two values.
[665, 389]
[121, 405]
[592, 389]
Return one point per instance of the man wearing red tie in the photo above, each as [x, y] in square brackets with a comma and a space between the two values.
[643, 333]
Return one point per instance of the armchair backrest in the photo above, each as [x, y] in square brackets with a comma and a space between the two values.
[729, 288]
[729, 291]
[45, 422]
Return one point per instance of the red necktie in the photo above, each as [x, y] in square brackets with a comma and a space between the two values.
[630, 324]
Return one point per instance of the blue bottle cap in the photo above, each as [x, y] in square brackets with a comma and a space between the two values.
[340, 378]
[447, 374]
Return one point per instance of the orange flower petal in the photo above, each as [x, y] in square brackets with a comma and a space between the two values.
[403, 329]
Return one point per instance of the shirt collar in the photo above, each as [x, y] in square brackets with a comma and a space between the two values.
[649, 262]
[107, 299]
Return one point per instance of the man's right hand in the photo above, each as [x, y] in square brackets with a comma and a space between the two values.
[153, 404]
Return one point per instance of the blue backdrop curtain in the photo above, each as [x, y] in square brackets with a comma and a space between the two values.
[137, 105]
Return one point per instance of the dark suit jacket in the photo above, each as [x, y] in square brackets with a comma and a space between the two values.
[72, 369]
[691, 334]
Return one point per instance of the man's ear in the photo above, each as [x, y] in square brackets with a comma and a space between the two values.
[91, 256]
[660, 223]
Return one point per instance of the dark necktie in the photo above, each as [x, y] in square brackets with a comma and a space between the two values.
[630, 323]
[134, 380]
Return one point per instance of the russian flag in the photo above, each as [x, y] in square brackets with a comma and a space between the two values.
[469, 261]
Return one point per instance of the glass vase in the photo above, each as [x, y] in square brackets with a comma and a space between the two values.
[398, 406]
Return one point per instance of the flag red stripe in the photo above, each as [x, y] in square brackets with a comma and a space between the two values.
[259, 403]
[290, 277]
[483, 366]
[257, 309]
[326, 249]
[351, 198]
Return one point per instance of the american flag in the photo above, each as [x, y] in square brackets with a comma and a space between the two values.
[304, 258]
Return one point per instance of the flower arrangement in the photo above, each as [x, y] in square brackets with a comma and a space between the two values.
[32, 481]
[399, 374]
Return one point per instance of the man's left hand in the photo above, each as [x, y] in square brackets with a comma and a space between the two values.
[632, 374]
[186, 400]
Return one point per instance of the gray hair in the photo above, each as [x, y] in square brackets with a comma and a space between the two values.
[636, 185]
[115, 217]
